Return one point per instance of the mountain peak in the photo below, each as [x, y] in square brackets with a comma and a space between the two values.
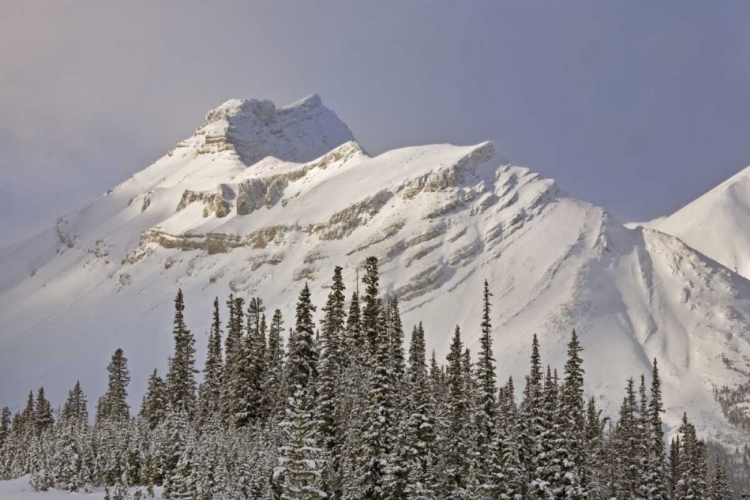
[263, 109]
[254, 129]
[715, 224]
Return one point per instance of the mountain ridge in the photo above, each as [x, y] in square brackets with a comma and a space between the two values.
[440, 218]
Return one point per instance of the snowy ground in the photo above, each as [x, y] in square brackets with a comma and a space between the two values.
[19, 489]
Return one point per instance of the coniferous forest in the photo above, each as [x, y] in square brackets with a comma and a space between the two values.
[340, 409]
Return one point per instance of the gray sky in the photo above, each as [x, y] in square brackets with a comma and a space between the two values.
[637, 106]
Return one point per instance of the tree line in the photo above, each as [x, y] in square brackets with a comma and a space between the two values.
[342, 410]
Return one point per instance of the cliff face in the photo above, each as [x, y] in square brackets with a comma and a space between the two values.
[256, 129]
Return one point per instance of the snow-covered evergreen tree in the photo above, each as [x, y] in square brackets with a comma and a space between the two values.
[507, 467]
[691, 482]
[719, 489]
[456, 459]
[113, 406]
[547, 475]
[379, 408]
[302, 458]
[250, 367]
[372, 308]
[301, 461]
[486, 417]
[302, 370]
[656, 480]
[395, 333]
[233, 381]
[155, 402]
[571, 453]
[5, 421]
[419, 440]
[209, 392]
[274, 402]
[532, 417]
[43, 418]
[75, 410]
[353, 339]
[181, 375]
[175, 438]
[594, 474]
[330, 381]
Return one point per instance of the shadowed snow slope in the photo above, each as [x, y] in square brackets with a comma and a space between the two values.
[254, 213]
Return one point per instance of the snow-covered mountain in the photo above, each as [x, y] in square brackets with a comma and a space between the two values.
[716, 224]
[260, 200]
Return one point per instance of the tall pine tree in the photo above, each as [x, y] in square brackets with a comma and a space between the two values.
[181, 375]
[113, 406]
[301, 460]
[330, 383]
[209, 394]
[487, 404]
[154, 405]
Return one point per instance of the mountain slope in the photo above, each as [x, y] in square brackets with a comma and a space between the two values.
[716, 224]
[214, 219]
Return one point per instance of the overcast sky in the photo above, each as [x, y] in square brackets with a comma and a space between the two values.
[636, 106]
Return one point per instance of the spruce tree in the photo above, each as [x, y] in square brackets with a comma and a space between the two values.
[533, 422]
[626, 444]
[380, 416]
[674, 466]
[456, 447]
[43, 413]
[249, 367]
[354, 346]
[255, 359]
[594, 478]
[172, 444]
[233, 383]
[643, 443]
[353, 401]
[509, 473]
[471, 384]
[181, 375]
[487, 404]
[330, 383]
[656, 483]
[572, 423]
[437, 382]
[720, 485]
[75, 410]
[68, 469]
[691, 483]
[113, 406]
[395, 331]
[26, 419]
[371, 310]
[301, 460]
[209, 394]
[155, 402]
[420, 439]
[275, 365]
[547, 473]
[5, 422]
[303, 354]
